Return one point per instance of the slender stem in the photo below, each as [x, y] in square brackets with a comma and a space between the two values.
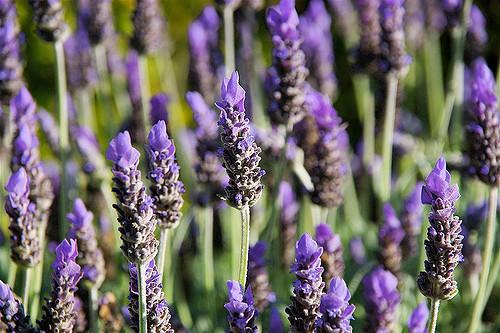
[434, 315]
[492, 278]
[390, 115]
[11, 278]
[228, 13]
[143, 309]
[62, 104]
[245, 242]
[38, 278]
[487, 254]
[208, 256]
[26, 286]
[93, 309]
[144, 83]
[366, 112]
[162, 251]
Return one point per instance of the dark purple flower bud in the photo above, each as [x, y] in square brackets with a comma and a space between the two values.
[136, 122]
[49, 128]
[100, 21]
[240, 153]
[357, 250]
[158, 313]
[289, 208]
[417, 323]
[88, 147]
[159, 111]
[390, 235]
[149, 26]
[58, 314]
[241, 310]
[452, 10]
[12, 312]
[90, 257]
[411, 220]
[336, 312]
[134, 207]
[477, 36]
[166, 188]
[345, 17]
[48, 16]
[394, 59]
[275, 322]
[381, 300]
[11, 69]
[332, 258]
[258, 277]
[285, 81]
[315, 29]
[443, 245]
[483, 130]
[308, 286]
[368, 49]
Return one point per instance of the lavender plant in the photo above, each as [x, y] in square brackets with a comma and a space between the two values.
[332, 258]
[336, 312]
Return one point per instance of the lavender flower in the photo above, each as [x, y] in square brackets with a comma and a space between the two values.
[166, 188]
[134, 207]
[11, 69]
[381, 300]
[315, 29]
[415, 23]
[241, 309]
[80, 318]
[357, 250]
[331, 259]
[417, 322]
[258, 277]
[158, 111]
[90, 257]
[483, 130]
[59, 313]
[336, 312]
[435, 18]
[452, 10]
[390, 236]
[158, 313]
[49, 19]
[49, 128]
[275, 323]
[477, 36]
[285, 81]
[100, 21]
[240, 153]
[88, 147]
[368, 49]
[411, 221]
[12, 312]
[136, 123]
[443, 245]
[394, 59]
[148, 27]
[289, 207]
[308, 286]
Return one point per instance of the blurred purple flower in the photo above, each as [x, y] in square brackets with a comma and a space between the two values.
[417, 323]
[336, 312]
[332, 258]
[240, 308]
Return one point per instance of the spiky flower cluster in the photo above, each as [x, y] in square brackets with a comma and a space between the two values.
[49, 19]
[166, 188]
[100, 21]
[134, 207]
[285, 81]
[88, 147]
[59, 313]
[336, 312]
[443, 245]
[368, 49]
[158, 108]
[157, 307]
[332, 258]
[411, 221]
[241, 309]
[148, 27]
[12, 312]
[483, 130]
[258, 277]
[308, 286]
[477, 36]
[390, 236]
[240, 154]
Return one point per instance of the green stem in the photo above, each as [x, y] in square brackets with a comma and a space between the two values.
[208, 256]
[26, 286]
[143, 309]
[37, 280]
[434, 315]
[492, 278]
[364, 102]
[390, 115]
[162, 249]
[245, 242]
[93, 309]
[62, 104]
[487, 254]
[228, 13]
[144, 83]
[11, 278]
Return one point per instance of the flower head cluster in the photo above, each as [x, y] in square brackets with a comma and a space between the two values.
[381, 300]
[241, 309]
[336, 312]
[11, 69]
[59, 312]
[158, 108]
[88, 147]
[157, 307]
[452, 10]
[390, 236]
[411, 221]
[240, 153]
[12, 312]
[258, 277]
[285, 82]
[289, 207]
[100, 21]
[49, 128]
[166, 188]
[443, 245]
[332, 258]
[477, 36]
[483, 130]
[315, 29]
[308, 286]
[135, 124]
[134, 207]
[148, 27]
[49, 19]
[368, 50]
[417, 323]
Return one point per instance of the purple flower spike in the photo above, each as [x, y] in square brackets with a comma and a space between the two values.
[275, 322]
[368, 50]
[336, 312]
[240, 153]
[332, 258]
[417, 322]
[12, 312]
[443, 245]
[390, 236]
[149, 25]
[477, 36]
[134, 207]
[453, 10]
[411, 220]
[88, 147]
[49, 19]
[308, 286]
[241, 309]
[159, 104]
[100, 22]
[357, 250]
[381, 300]
[166, 188]
[50, 129]
[258, 276]
[59, 312]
